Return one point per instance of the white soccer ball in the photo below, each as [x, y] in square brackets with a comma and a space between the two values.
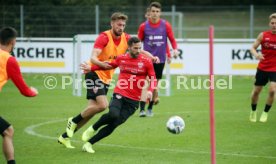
[175, 124]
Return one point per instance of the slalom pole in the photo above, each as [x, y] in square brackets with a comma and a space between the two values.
[211, 95]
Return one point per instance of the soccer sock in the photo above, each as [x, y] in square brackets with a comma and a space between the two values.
[77, 119]
[142, 105]
[253, 107]
[64, 135]
[267, 108]
[150, 105]
[11, 162]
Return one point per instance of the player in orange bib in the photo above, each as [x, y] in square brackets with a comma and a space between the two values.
[9, 69]
[107, 47]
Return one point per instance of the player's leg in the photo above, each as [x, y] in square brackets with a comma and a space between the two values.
[128, 108]
[156, 98]
[77, 122]
[100, 105]
[107, 119]
[7, 131]
[143, 99]
[97, 102]
[113, 113]
[269, 102]
[270, 98]
[261, 80]
[158, 68]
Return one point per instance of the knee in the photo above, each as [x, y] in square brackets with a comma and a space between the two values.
[114, 113]
[271, 93]
[102, 106]
[9, 132]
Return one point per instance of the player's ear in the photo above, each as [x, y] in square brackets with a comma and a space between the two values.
[14, 41]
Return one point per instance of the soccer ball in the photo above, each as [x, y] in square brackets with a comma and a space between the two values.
[175, 124]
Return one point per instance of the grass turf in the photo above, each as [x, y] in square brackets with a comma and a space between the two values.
[142, 140]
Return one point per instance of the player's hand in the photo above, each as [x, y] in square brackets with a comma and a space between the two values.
[85, 67]
[156, 60]
[105, 65]
[34, 90]
[149, 95]
[169, 60]
[260, 57]
[175, 53]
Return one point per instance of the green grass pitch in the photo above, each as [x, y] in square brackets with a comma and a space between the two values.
[39, 121]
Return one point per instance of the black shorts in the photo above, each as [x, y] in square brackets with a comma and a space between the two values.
[3, 125]
[122, 106]
[95, 87]
[263, 77]
[158, 68]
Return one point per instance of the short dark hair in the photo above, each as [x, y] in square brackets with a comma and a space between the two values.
[155, 4]
[7, 34]
[133, 40]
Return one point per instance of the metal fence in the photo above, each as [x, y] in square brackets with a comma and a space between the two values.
[187, 21]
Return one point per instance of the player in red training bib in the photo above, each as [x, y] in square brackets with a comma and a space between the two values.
[134, 68]
[266, 71]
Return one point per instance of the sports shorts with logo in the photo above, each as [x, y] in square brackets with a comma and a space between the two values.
[95, 87]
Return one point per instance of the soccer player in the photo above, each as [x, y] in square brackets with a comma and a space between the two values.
[143, 99]
[154, 33]
[266, 71]
[134, 68]
[9, 69]
[107, 47]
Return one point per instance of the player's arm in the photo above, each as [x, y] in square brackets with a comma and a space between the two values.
[141, 31]
[87, 67]
[154, 59]
[15, 75]
[172, 39]
[254, 47]
[168, 53]
[94, 59]
[100, 43]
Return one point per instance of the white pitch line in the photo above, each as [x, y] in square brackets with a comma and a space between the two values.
[31, 131]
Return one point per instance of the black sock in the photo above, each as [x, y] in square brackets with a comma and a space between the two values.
[11, 162]
[253, 107]
[77, 119]
[64, 135]
[150, 105]
[142, 105]
[267, 108]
